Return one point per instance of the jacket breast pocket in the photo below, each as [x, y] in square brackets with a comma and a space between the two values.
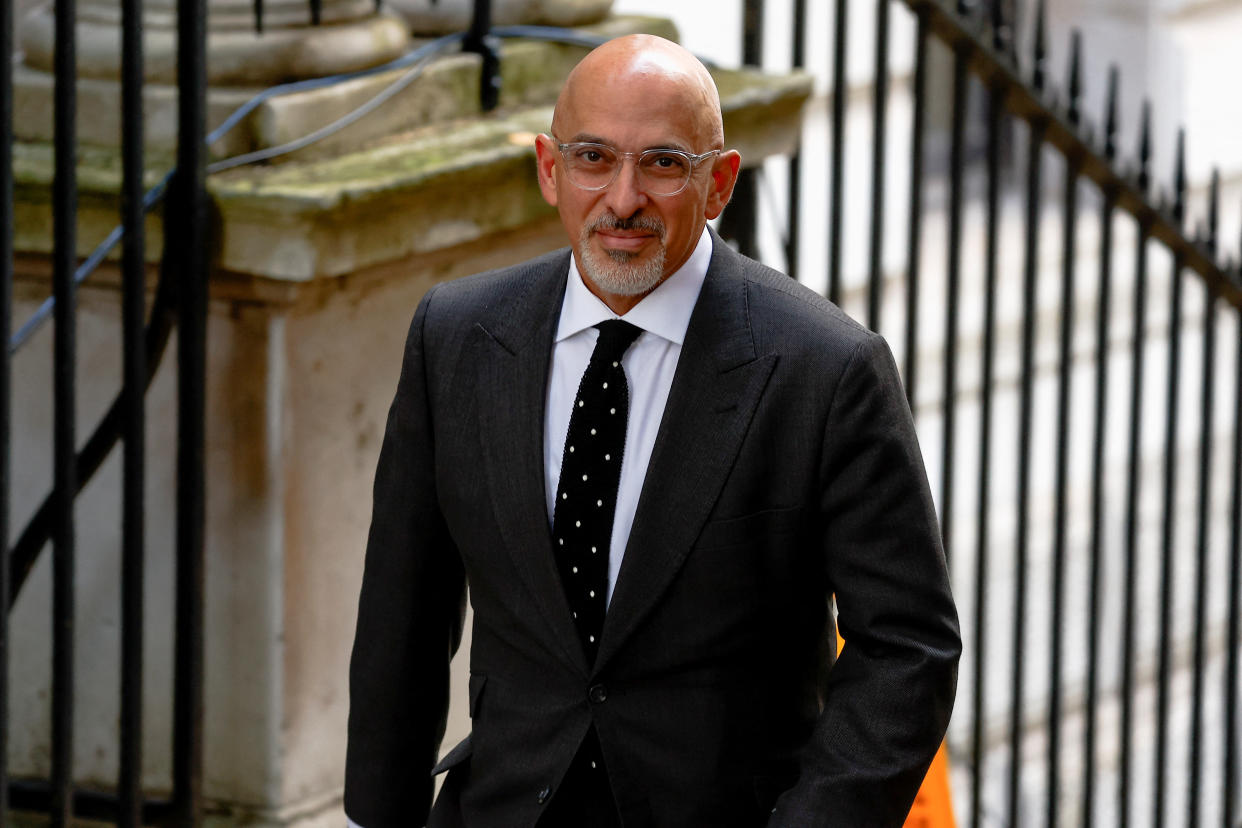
[753, 529]
[742, 564]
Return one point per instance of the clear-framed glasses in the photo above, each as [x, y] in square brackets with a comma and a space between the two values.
[660, 172]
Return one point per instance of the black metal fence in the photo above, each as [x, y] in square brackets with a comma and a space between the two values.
[1097, 569]
[180, 296]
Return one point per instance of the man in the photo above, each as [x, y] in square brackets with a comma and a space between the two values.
[652, 595]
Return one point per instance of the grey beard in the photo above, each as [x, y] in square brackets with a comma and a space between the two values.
[615, 272]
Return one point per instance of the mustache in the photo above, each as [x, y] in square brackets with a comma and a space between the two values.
[638, 221]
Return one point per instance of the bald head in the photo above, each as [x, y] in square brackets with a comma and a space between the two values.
[647, 65]
[644, 110]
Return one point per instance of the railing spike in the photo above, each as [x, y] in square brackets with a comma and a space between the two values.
[1040, 50]
[1179, 179]
[258, 16]
[1013, 14]
[1213, 220]
[1075, 78]
[1144, 173]
[1110, 117]
[1000, 28]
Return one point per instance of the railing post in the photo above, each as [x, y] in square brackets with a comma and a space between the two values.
[65, 205]
[6, 292]
[741, 221]
[914, 233]
[1233, 635]
[129, 775]
[879, 146]
[479, 41]
[798, 37]
[186, 245]
[836, 198]
[1104, 313]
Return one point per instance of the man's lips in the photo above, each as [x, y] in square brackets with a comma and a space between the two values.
[623, 239]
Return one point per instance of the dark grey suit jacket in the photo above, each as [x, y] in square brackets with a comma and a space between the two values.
[786, 470]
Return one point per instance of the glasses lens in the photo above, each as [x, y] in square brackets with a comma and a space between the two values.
[663, 172]
[592, 166]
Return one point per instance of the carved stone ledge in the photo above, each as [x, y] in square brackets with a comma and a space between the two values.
[460, 179]
[440, 186]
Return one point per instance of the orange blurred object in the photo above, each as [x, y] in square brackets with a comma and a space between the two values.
[933, 806]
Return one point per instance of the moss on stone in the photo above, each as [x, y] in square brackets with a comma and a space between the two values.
[440, 174]
[99, 169]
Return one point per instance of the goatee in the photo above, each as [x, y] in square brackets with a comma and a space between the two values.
[616, 272]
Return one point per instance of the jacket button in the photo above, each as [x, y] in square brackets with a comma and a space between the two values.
[598, 694]
[544, 794]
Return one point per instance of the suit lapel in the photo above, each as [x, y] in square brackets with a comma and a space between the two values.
[515, 348]
[718, 382]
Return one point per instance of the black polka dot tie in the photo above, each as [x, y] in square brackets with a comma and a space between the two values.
[586, 497]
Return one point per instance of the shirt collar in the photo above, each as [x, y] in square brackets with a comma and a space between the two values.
[664, 312]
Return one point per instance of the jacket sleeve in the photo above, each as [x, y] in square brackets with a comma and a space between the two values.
[410, 616]
[887, 700]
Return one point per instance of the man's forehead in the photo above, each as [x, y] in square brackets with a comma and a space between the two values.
[641, 111]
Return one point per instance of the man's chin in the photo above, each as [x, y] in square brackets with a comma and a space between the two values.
[624, 258]
[623, 275]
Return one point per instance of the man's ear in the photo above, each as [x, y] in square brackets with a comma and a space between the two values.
[545, 164]
[724, 176]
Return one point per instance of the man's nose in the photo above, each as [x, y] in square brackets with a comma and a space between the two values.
[625, 196]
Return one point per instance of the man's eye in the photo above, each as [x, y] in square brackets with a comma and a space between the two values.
[592, 156]
[666, 162]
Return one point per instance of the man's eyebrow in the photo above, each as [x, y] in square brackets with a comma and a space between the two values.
[588, 138]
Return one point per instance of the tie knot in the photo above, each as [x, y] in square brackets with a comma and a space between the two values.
[615, 336]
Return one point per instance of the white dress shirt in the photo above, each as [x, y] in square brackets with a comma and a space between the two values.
[663, 315]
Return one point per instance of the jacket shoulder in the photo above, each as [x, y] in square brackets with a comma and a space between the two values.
[508, 304]
[485, 295]
[788, 316]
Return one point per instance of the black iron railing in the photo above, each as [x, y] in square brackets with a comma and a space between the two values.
[180, 299]
[183, 284]
[1061, 563]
